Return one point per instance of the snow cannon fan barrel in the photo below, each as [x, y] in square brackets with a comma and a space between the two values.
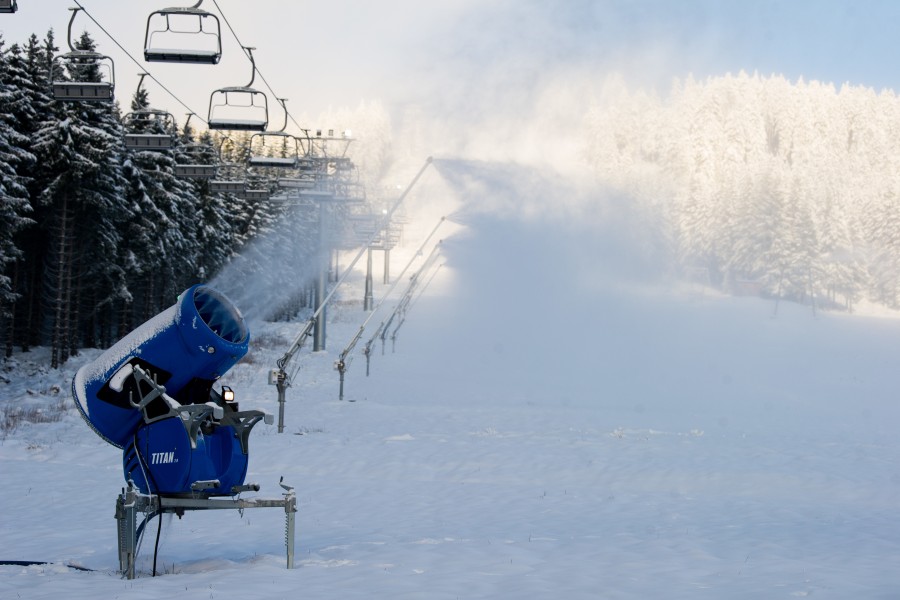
[151, 394]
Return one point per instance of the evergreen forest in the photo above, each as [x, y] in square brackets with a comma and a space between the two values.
[751, 184]
[95, 238]
[759, 185]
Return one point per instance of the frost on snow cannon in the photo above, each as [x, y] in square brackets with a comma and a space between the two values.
[151, 395]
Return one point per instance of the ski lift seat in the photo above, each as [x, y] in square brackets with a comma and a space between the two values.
[272, 161]
[148, 141]
[295, 183]
[227, 186]
[238, 124]
[200, 57]
[83, 90]
[8, 6]
[195, 171]
[254, 195]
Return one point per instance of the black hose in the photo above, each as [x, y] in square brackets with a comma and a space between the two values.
[29, 563]
[148, 476]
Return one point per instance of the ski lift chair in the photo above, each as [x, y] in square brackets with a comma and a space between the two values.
[184, 35]
[264, 145]
[258, 188]
[195, 169]
[8, 6]
[139, 121]
[227, 186]
[91, 74]
[275, 149]
[239, 108]
[83, 90]
[229, 179]
[230, 175]
[140, 126]
[296, 183]
[254, 194]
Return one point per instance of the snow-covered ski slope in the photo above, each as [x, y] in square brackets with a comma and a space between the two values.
[545, 428]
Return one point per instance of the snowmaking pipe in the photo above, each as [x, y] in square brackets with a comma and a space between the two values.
[342, 363]
[411, 304]
[279, 377]
[404, 300]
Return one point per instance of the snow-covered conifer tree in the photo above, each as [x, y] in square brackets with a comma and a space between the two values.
[16, 161]
[80, 153]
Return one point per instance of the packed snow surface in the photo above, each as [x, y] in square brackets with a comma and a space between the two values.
[542, 428]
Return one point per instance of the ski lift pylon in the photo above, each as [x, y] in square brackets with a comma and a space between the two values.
[239, 108]
[86, 69]
[8, 6]
[166, 41]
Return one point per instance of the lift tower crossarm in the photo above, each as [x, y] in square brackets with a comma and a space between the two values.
[279, 377]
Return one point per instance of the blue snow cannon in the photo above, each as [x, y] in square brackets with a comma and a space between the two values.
[152, 395]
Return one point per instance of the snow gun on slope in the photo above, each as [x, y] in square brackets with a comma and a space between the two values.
[151, 395]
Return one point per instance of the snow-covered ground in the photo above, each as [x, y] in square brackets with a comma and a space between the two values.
[543, 429]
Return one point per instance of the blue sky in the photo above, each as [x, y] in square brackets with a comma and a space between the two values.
[469, 53]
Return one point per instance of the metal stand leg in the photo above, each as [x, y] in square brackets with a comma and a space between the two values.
[131, 501]
[290, 510]
[126, 521]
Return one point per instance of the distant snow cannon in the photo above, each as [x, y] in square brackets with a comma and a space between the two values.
[151, 394]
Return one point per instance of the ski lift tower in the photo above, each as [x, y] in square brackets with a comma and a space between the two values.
[328, 155]
[367, 233]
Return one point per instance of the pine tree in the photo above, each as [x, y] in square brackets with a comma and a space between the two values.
[215, 226]
[80, 157]
[28, 71]
[163, 242]
[15, 208]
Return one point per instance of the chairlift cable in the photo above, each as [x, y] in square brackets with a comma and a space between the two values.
[255, 68]
[138, 63]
